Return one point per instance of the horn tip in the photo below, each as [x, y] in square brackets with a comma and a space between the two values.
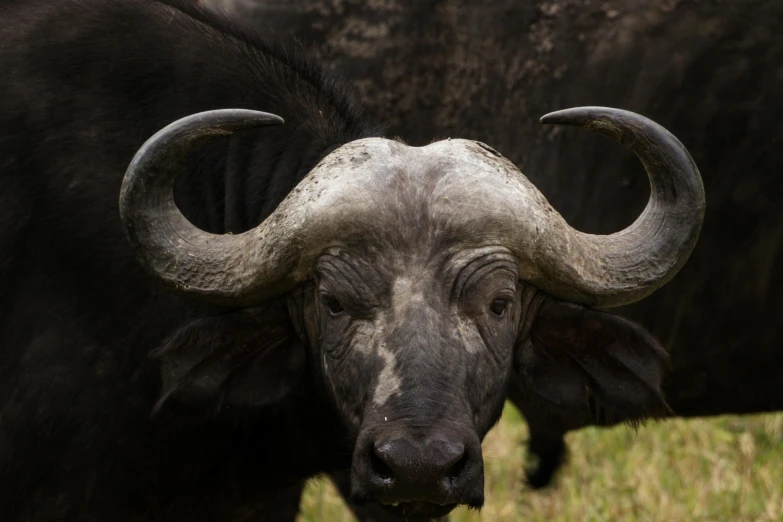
[248, 117]
[568, 116]
[582, 115]
[276, 120]
[264, 118]
[561, 116]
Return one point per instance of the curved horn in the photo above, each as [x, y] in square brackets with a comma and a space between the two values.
[617, 269]
[325, 210]
[222, 269]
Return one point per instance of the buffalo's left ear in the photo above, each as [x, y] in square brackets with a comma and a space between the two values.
[249, 358]
[580, 367]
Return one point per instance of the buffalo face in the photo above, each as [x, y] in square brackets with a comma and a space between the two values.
[416, 351]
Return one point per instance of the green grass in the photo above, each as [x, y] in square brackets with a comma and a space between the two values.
[717, 469]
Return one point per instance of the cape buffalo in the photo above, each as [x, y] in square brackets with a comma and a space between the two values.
[270, 301]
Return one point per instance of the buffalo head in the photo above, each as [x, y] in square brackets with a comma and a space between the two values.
[421, 280]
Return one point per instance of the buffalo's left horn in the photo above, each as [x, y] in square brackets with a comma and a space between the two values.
[616, 269]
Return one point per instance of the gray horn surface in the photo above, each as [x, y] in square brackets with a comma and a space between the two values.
[620, 268]
[214, 268]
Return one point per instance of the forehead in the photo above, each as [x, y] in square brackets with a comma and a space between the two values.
[449, 194]
[421, 173]
[408, 269]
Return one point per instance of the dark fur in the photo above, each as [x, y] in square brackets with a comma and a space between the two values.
[582, 367]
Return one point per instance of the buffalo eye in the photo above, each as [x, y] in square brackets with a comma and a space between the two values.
[498, 307]
[334, 306]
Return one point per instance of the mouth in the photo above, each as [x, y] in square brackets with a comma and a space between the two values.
[419, 509]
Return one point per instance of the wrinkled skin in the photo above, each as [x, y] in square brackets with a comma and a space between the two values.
[420, 323]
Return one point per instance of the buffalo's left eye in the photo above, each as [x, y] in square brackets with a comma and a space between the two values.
[498, 307]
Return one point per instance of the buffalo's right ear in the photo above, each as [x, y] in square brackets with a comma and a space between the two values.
[249, 358]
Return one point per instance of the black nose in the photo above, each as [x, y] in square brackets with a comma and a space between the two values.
[407, 471]
[416, 466]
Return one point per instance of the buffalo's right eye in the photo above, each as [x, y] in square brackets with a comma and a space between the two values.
[498, 307]
[334, 306]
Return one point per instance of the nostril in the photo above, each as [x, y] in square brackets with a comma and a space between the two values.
[453, 473]
[379, 467]
[450, 457]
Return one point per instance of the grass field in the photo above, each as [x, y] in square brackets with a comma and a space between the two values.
[718, 469]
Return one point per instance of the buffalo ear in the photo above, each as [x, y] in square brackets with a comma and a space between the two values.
[250, 358]
[581, 367]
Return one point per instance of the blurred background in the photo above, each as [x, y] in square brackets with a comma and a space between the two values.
[711, 71]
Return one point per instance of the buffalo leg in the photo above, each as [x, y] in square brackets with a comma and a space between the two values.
[546, 443]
